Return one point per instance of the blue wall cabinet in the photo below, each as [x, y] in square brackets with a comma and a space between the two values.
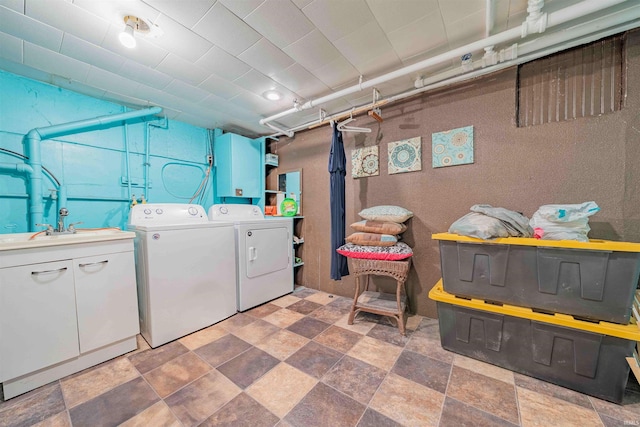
[238, 162]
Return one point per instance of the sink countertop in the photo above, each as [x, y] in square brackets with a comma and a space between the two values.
[15, 241]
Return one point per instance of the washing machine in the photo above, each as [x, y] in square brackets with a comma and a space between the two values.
[264, 253]
[184, 269]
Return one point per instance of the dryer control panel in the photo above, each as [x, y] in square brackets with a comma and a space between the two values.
[166, 214]
[235, 212]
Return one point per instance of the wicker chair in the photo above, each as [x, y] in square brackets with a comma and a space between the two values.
[378, 302]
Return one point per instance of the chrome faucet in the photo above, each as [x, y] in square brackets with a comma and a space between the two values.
[60, 229]
[63, 213]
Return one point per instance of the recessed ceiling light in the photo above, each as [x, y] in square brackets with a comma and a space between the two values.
[272, 95]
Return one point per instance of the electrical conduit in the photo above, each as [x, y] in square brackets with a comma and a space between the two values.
[35, 136]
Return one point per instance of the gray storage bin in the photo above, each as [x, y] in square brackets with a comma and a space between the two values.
[596, 284]
[581, 360]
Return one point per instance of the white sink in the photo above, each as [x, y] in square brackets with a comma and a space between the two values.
[35, 240]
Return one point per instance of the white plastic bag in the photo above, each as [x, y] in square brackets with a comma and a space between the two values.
[563, 222]
[487, 222]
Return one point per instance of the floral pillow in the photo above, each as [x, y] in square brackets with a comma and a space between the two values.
[372, 239]
[385, 253]
[379, 227]
[386, 213]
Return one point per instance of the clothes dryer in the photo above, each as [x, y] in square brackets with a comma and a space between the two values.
[184, 268]
[264, 253]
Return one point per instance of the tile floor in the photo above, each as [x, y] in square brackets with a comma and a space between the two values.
[296, 362]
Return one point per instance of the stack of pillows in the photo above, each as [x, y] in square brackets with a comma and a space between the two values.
[377, 235]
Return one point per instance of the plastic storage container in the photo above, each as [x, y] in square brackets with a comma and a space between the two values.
[593, 280]
[584, 356]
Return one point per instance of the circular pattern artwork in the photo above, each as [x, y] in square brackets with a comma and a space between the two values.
[405, 156]
[365, 162]
[452, 147]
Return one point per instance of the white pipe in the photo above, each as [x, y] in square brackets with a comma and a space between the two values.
[533, 50]
[556, 18]
[489, 18]
[277, 129]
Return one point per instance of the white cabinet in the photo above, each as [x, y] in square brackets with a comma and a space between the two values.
[106, 299]
[63, 309]
[37, 317]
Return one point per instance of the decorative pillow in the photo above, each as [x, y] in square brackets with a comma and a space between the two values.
[372, 239]
[386, 253]
[379, 227]
[386, 213]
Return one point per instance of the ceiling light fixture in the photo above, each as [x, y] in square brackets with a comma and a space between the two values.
[272, 95]
[126, 36]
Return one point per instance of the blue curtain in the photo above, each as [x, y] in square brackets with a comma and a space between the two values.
[337, 172]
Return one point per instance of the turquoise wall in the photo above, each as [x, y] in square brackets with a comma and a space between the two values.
[93, 165]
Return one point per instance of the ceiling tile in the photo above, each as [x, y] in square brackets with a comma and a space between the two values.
[188, 13]
[301, 3]
[69, 18]
[10, 47]
[256, 82]
[299, 80]
[337, 73]
[114, 11]
[110, 81]
[379, 65]
[312, 51]
[177, 67]
[501, 16]
[456, 10]
[219, 105]
[392, 16]
[17, 5]
[255, 103]
[241, 8]
[224, 29]
[24, 70]
[145, 53]
[127, 101]
[186, 91]
[179, 40]
[77, 87]
[366, 44]
[145, 75]
[280, 21]
[338, 18]
[223, 64]
[466, 30]
[221, 87]
[31, 30]
[422, 35]
[266, 58]
[54, 63]
[91, 54]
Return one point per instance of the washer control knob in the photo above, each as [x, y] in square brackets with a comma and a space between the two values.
[193, 211]
[147, 211]
[224, 210]
[159, 211]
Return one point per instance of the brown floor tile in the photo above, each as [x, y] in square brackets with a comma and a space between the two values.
[303, 292]
[59, 420]
[372, 418]
[154, 357]
[308, 327]
[424, 370]
[388, 333]
[202, 337]
[248, 367]
[256, 331]
[324, 406]
[355, 378]
[341, 302]
[456, 414]
[314, 359]
[495, 397]
[304, 306]
[32, 407]
[329, 313]
[629, 410]
[407, 403]
[176, 373]
[114, 406]
[480, 367]
[285, 301]
[263, 310]
[80, 388]
[413, 321]
[429, 347]
[142, 345]
[280, 389]
[242, 411]
[202, 398]
[157, 415]
[221, 350]
[338, 338]
[282, 344]
[236, 321]
[538, 409]
[552, 390]
[376, 352]
[360, 324]
[283, 318]
[321, 298]
[612, 422]
[428, 328]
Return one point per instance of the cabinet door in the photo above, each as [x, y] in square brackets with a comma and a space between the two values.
[38, 326]
[238, 166]
[106, 298]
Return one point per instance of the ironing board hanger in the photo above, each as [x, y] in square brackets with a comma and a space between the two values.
[342, 126]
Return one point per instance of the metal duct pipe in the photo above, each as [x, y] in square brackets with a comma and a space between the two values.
[556, 18]
[35, 136]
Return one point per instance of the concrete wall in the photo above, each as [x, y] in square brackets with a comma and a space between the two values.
[516, 168]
